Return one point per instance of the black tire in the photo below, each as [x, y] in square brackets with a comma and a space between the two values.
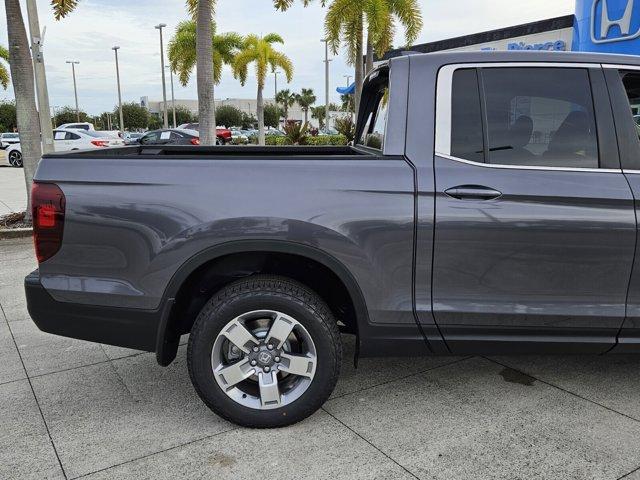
[256, 293]
[15, 159]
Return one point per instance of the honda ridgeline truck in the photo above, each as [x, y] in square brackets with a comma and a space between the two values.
[489, 205]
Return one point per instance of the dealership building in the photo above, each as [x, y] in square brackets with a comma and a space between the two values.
[611, 26]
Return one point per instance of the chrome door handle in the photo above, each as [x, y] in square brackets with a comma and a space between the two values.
[473, 192]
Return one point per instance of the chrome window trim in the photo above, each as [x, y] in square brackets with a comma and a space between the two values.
[620, 67]
[533, 167]
[444, 87]
[634, 172]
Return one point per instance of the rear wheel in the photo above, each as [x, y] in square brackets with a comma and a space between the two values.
[264, 352]
[15, 158]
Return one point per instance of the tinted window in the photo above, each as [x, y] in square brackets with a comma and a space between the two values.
[149, 138]
[540, 117]
[466, 117]
[71, 136]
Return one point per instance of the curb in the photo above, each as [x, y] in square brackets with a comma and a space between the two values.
[15, 233]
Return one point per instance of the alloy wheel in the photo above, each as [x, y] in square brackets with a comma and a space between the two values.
[264, 359]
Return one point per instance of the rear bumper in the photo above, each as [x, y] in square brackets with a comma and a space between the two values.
[122, 327]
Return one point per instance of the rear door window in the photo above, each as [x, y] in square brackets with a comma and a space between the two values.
[540, 117]
[524, 116]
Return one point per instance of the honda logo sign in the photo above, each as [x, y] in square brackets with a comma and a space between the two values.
[609, 24]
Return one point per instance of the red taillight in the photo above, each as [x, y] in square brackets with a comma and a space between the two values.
[195, 141]
[47, 208]
[100, 143]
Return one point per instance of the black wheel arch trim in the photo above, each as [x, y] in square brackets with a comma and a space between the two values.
[373, 339]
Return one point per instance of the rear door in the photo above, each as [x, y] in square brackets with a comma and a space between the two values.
[535, 225]
[624, 87]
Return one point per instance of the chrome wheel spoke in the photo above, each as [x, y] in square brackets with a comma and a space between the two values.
[237, 334]
[269, 390]
[302, 365]
[280, 329]
[234, 374]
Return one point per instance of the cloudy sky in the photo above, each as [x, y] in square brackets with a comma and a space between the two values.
[90, 32]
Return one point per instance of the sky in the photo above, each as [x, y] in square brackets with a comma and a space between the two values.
[88, 34]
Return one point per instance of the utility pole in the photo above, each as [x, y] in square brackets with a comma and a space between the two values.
[75, 85]
[348, 77]
[115, 49]
[159, 27]
[173, 98]
[44, 113]
[326, 84]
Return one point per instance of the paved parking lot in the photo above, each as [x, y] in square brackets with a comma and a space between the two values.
[72, 409]
[13, 197]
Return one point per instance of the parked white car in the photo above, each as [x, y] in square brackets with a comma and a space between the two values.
[8, 138]
[77, 126]
[69, 139]
[238, 137]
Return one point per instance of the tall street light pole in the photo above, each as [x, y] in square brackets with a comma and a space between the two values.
[115, 49]
[275, 75]
[159, 27]
[42, 93]
[326, 84]
[348, 77]
[173, 98]
[75, 85]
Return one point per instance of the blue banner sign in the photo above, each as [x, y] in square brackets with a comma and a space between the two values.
[611, 26]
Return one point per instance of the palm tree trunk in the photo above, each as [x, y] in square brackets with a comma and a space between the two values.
[359, 74]
[306, 115]
[24, 91]
[369, 58]
[260, 108]
[204, 61]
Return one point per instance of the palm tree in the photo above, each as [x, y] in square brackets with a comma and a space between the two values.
[24, 90]
[286, 99]
[182, 50]
[260, 51]
[202, 12]
[4, 73]
[345, 21]
[305, 99]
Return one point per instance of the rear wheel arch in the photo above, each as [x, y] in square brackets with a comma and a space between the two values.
[245, 258]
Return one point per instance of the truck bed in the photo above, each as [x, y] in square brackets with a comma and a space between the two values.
[222, 152]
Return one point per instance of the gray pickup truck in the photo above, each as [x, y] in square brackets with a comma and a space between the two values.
[488, 206]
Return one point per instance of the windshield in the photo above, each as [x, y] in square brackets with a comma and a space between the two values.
[9, 135]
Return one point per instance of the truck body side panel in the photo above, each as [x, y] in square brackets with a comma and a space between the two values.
[131, 223]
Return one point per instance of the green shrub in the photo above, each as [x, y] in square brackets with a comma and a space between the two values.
[273, 140]
[296, 133]
[327, 140]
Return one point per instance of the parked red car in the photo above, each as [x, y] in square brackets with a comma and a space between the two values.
[223, 135]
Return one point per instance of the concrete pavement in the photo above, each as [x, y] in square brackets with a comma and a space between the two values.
[13, 192]
[71, 409]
